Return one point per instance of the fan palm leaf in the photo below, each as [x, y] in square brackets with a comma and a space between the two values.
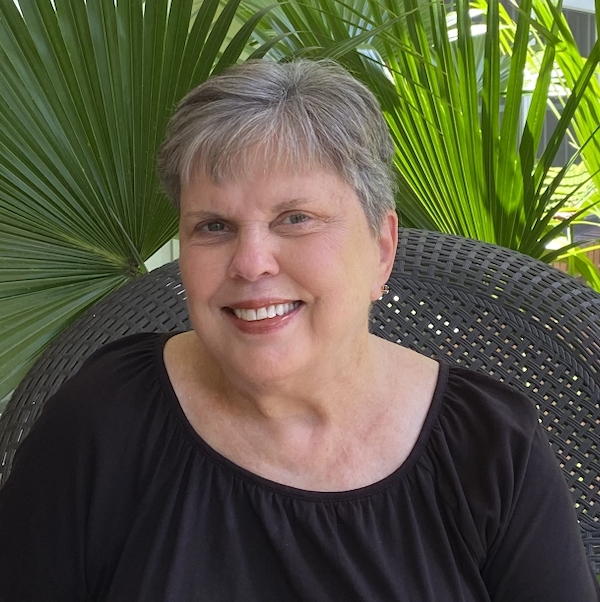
[86, 89]
[468, 161]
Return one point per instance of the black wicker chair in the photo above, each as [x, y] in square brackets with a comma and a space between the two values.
[477, 304]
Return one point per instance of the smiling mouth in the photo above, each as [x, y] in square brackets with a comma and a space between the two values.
[264, 313]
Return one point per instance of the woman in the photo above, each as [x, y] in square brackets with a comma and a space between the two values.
[278, 451]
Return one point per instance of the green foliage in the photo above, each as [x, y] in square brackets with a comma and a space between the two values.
[453, 86]
[86, 88]
[583, 199]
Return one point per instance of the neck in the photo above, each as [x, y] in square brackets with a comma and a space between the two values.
[322, 394]
[348, 425]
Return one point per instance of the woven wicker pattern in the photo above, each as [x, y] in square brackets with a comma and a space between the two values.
[520, 321]
[153, 303]
[473, 303]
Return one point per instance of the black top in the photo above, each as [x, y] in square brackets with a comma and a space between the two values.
[114, 497]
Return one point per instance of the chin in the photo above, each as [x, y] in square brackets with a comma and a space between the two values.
[261, 369]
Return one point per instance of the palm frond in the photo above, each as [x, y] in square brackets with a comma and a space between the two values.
[86, 89]
[468, 161]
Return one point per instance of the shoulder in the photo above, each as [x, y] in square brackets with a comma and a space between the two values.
[122, 357]
[510, 491]
[491, 412]
[115, 369]
[114, 389]
[89, 457]
[493, 394]
[484, 438]
[488, 426]
[102, 421]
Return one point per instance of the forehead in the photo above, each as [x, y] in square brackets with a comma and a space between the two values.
[267, 159]
[264, 196]
[268, 184]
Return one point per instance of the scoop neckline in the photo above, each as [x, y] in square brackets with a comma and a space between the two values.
[264, 483]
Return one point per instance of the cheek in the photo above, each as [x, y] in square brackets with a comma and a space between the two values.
[200, 274]
[314, 268]
[339, 282]
[352, 265]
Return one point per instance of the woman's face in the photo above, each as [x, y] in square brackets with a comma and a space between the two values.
[280, 271]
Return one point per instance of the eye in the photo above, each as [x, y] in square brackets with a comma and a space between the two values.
[212, 226]
[212, 231]
[295, 218]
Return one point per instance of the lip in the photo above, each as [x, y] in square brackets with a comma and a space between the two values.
[265, 325]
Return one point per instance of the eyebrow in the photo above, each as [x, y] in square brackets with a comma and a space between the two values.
[291, 204]
[282, 207]
[202, 215]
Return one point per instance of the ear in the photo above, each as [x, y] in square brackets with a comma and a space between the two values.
[387, 243]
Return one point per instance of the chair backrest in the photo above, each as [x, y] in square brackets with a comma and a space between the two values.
[486, 307]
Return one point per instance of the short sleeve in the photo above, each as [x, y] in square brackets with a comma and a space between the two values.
[71, 495]
[43, 511]
[539, 554]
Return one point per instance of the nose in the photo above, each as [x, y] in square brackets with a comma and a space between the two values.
[254, 255]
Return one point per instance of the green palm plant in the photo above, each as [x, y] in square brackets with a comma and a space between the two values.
[86, 88]
[453, 90]
[578, 196]
[584, 200]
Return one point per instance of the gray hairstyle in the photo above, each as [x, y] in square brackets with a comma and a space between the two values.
[300, 115]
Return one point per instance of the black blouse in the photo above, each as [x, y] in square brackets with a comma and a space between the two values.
[114, 497]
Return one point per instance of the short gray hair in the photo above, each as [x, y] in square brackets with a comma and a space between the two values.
[301, 115]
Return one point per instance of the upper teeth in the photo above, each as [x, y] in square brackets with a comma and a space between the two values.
[250, 315]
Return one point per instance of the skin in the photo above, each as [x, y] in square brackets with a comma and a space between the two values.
[302, 398]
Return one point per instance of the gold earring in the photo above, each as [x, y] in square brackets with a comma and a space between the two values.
[385, 289]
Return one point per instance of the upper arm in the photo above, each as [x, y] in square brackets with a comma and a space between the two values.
[67, 503]
[43, 510]
[538, 554]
